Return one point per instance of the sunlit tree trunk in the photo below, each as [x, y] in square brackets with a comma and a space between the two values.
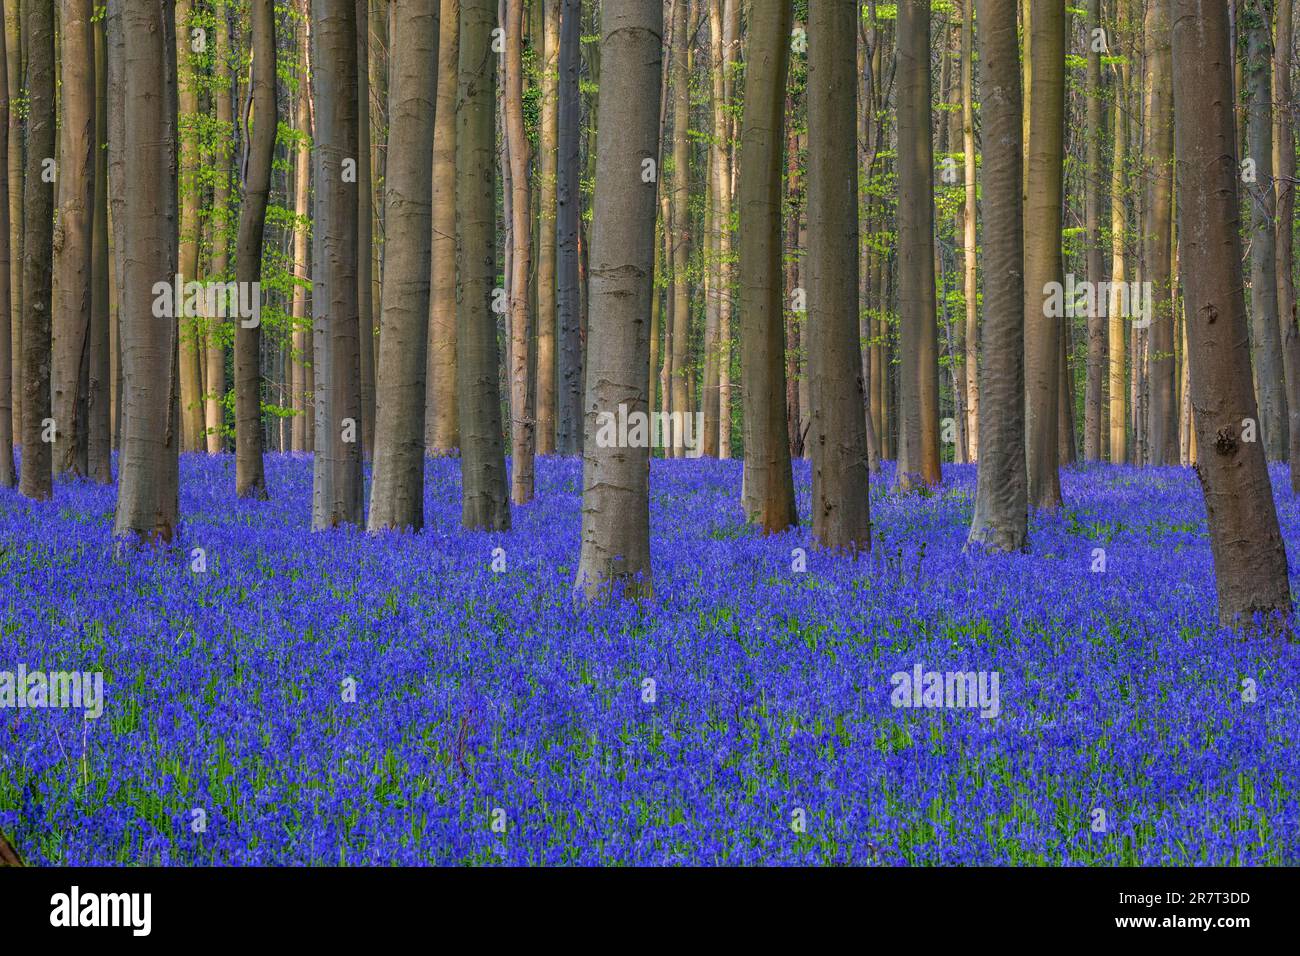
[301, 429]
[8, 473]
[523, 435]
[1092, 403]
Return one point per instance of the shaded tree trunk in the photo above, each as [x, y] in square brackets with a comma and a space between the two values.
[523, 437]
[484, 502]
[1094, 167]
[569, 398]
[250, 477]
[1162, 413]
[397, 494]
[1284, 164]
[1001, 497]
[918, 389]
[14, 73]
[99, 438]
[72, 241]
[365, 233]
[8, 473]
[838, 425]
[768, 496]
[38, 226]
[143, 192]
[337, 483]
[615, 475]
[443, 420]
[1249, 556]
[681, 226]
[301, 429]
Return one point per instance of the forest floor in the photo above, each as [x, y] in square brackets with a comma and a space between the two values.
[747, 715]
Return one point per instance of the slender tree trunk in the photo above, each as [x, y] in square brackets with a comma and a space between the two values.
[484, 502]
[443, 422]
[366, 233]
[547, 144]
[38, 225]
[615, 475]
[1266, 335]
[523, 436]
[8, 473]
[143, 190]
[918, 453]
[301, 428]
[681, 228]
[1044, 151]
[568, 212]
[838, 434]
[397, 495]
[17, 235]
[337, 483]
[72, 240]
[1093, 171]
[99, 438]
[769, 482]
[190, 192]
[250, 478]
[1001, 498]
[1116, 322]
[1284, 164]
[1249, 556]
[1162, 419]
[970, 242]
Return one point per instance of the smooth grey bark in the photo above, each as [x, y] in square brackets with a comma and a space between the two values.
[99, 434]
[143, 189]
[337, 481]
[523, 427]
[1250, 562]
[300, 389]
[1094, 169]
[8, 473]
[484, 501]
[841, 520]
[1256, 20]
[1162, 412]
[250, 475]
[14, 68]
[442, 419]
[1001, 497]
[768, 495]
[366, 250]
[616, 475]
[70, 322]
[38, 227]
[397, 491]
[568, 402]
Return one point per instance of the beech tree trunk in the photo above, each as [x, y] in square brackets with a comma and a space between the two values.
[250, 478]
[301, 428]
[99, 437]
[680, 402]
[38, 225]
[13, 18]
[768, 496]
[1162, 413]
[841, 521]
[1092, 403]
[523, 436]
[443, 420]
[190, 194]
[484, 502]
[8, 473]
[918, 387]
[397, 494]
[1249, 555]
[616, 475]
[337, 483]
[72, 241]
[568, 412]
[143, 191]
[1001, 497]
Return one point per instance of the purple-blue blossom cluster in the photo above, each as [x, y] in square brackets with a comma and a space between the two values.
[495, 721]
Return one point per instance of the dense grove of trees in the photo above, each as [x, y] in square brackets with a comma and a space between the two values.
[1008, 232]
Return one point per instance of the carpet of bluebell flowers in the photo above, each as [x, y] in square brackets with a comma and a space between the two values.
[487, 697]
